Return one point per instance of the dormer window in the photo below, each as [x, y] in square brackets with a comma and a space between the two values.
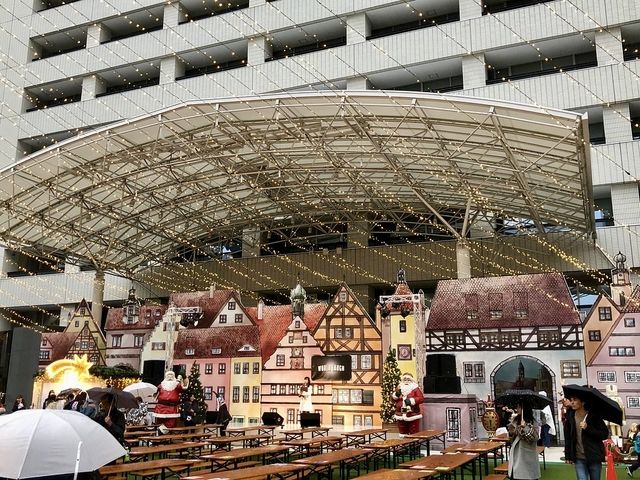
[190, 351]
[472, 314]
[247, 348]
[495, 313]
[521, 313]
[216, 351]
[231, 305]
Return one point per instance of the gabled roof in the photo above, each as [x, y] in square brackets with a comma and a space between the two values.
[602, 296]
[276, 319]
[61, 343]
[545, 297]
[229, 339]
[335, 303]
[114, 318]
[210, 302]
[633, 302]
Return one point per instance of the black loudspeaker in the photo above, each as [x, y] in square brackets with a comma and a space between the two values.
[308, 419]
[272, 418]
[153, 371]
[442, 384]
[441, 364]
[211, 417]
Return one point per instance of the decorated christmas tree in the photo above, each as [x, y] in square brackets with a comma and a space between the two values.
[195, 389]
[390, 380]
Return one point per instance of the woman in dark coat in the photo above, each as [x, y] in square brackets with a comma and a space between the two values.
[18, 404]
[224, 417]
[584, 433]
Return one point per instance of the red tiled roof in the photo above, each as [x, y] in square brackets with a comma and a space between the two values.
[633, 302]
[211, 304]
[114, 318]
[545, 297]
[229, 339]
[61, 343]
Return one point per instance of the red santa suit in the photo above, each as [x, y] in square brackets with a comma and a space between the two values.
[166, 411]
[408, 398]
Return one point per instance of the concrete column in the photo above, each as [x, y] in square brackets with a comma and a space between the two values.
[92, 86]
[358, 28]
[23, 363]
[98, 297]
[357, 83]
[474, 74]
[463, 259]
[251, 242]
[4, 264]
[97, 34]
[470, 9]
[617, 123]
[259, 49]
[173, 15]
[358, 234]
[170, 69]
[625, 201]
[609, 49]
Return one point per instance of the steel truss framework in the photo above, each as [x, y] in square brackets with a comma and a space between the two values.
[137, 192]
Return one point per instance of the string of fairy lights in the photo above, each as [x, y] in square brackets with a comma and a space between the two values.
[321, 78]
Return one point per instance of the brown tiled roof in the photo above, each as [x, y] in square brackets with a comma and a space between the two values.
[633, 302]
[276, 319]
[210, 304]
[114, 318]
[548, 302]
[229, 339]
[61, 343]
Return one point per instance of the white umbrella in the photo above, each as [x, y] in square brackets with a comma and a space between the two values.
[141, 389]
[37, 443]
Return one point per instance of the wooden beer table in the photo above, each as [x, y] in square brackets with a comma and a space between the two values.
[318, 444]
[225, 443]
[347, 459]
[143, 453]
[397, 474]
[225, 460]
[262, 472]
[389, 450]
[171, 465]
[299, 432]
[259, 429]
[483, 449]
[425, 437]
[445, 464]
[360, 437]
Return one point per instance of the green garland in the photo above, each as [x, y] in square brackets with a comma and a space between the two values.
[119, 371]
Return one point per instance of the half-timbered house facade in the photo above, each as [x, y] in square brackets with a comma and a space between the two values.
[347, 329]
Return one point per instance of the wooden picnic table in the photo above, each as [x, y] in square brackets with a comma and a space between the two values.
[425, 437]
[202, 427]
[247, 441]
[397, 474]
[360, 437]
[446, 463]
[306, 445]
[347, 459]
[389, 450]
[299, 432]
[171, 465]
[261, 472]
[180, 437]
[223, 460]
[268, 429]
[142, 453]
[483, 449]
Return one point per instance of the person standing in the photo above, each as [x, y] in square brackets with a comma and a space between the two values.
[168, 395]
[51, 401]
[188, 411]
[139, 415]
[585, 432]
[224, 417]
[547, 425]
[636, 448]
[305, 394]
[523, 461]
[111, 418]
[18, 404]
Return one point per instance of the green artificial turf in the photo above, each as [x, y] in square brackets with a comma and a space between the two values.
[562, 471]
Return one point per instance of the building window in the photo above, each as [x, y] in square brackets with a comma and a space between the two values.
[77, 323]
[348, 332]
[604, 313]
[222, 368]
[221, 391]
[594, 335]
[236, 368]
[622, 351]
[208, 393]
[245, 394]
[291, 415]
[629, 322]
[216, 351]
[44, 354]
[337, 420]
[245, 368]
[238, 318]
[256, 368]
[290, 338]
[189, 351]
[495, 314]
[138, 340]
[158, 346]
[453, 423]
[365, 362]
[116, 341]
[256, 395]
[274, 389]
[44, 342]
[223, 318]
[472, 314]
[231, 305]
[208, 368]
[548, 336]
[342, 297]
[570, 369]
[296, 324]
[632, 377]
[84, 344]
[454, 339]
[283, 389]
[403, 326]
[304, 339]
[521, 313]
[320, 389]
[354, 362]
[279, 360]
[633, 402]
[235, 396]
[293, 389]
[338, 332]
[606, 377]
[473, 372]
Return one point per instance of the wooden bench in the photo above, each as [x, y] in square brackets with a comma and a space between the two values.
[495, 476]
[502, 469]
[204, 465]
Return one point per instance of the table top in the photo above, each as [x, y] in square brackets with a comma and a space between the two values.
[238, 453]
[390, 443]
[364, 433]
[333, 457]
[303, 442]
[427, 434]
[397, 474]
[446, 462]
[172, 437]
[261, 471]
[173, 447]
[302, 431]
[480, 447]
[147, 465]
[194, 428]
[238, 438]
[256, 428]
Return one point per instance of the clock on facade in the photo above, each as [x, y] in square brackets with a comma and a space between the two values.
[404, 352]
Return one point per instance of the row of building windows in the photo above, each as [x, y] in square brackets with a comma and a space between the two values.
[610, 377]
[293, 389]
[474, 372]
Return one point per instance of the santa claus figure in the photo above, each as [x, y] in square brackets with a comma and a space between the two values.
[408, 397]
[169, 391]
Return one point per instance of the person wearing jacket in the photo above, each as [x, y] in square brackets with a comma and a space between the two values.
[635, 447]
[523, 462]
[585, 432]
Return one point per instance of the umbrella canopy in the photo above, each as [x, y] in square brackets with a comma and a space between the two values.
[38, 443]
[513, 398]
[141, 389]
[123, 399]
[596, 401]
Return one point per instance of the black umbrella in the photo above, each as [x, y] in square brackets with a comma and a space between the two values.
[122, 399]
[513, 398]
[598, 403]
